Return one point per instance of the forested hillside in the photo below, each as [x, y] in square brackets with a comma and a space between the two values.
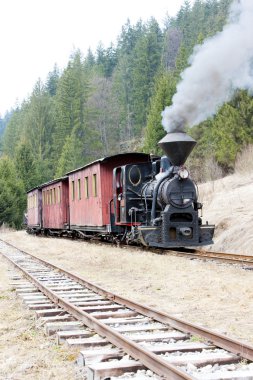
[110, 101]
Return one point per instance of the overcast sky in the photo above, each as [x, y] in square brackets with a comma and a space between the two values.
[36, 34]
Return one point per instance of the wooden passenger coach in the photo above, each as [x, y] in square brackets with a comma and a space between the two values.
[34, 209]
[91, 192]
[80, 201]
[55, 214]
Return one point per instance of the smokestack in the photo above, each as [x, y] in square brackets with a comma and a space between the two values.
[177, 146]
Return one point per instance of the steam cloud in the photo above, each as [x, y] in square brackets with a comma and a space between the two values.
[218, 67]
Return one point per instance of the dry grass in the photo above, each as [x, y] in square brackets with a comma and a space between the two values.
[204, 170]
[244, 161]
[227, 204]
[5, 228]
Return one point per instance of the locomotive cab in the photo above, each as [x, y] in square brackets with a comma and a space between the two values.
[128, 185]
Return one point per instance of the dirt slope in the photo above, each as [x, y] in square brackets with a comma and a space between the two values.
[228, 203]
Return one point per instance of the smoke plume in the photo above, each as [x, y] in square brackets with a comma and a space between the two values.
[217, 68]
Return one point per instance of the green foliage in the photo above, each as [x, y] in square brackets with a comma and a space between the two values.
[227, 133]
[12, 194]
[164, 90]
[104, 116]
[39, 128]
[52, 81]
[70, 102]
[26, 165]
[106, 60]
[146, 62]
[13, 131]
[181, 60]
[68, 159]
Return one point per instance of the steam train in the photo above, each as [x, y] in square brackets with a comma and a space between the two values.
[130, 197]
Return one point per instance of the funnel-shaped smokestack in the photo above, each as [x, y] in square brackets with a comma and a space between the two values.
[177, 146]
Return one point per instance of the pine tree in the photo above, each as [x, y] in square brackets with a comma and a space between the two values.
[172, 42]
[146, 62]
[52, 81]
[164, 91]
[13, 131]
[68, 159]
[39, 128]
[26, 167]
[181, 60]
[12, 194]
[71, 99]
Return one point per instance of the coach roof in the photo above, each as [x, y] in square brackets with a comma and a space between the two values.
[101, 160]
[39, 187]
[110, 158]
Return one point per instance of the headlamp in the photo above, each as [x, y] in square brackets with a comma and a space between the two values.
[183, 173]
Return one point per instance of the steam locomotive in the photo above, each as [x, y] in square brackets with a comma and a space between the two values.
[131, 197]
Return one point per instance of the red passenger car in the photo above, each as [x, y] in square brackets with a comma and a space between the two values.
[91, 192]
[34, 209]
[55, 214]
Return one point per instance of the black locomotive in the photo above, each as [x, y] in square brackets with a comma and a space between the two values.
[158, 200]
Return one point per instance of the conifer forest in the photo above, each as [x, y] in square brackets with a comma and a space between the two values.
[110, 101]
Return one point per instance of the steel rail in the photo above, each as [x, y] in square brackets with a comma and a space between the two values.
[219, 256]
[235, 346]
[228, 256]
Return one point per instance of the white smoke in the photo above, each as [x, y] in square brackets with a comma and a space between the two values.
[217, 68]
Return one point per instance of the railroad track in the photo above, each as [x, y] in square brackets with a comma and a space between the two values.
[246, 261]
[116, 335]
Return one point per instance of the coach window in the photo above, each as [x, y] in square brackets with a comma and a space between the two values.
[94, 185]
[86, 187]
[51, 196]
[79, 188]
[47, 197]
[59, 194]
[73, 190]
[54, 196]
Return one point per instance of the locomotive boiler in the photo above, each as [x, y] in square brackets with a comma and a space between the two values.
[158, 202]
